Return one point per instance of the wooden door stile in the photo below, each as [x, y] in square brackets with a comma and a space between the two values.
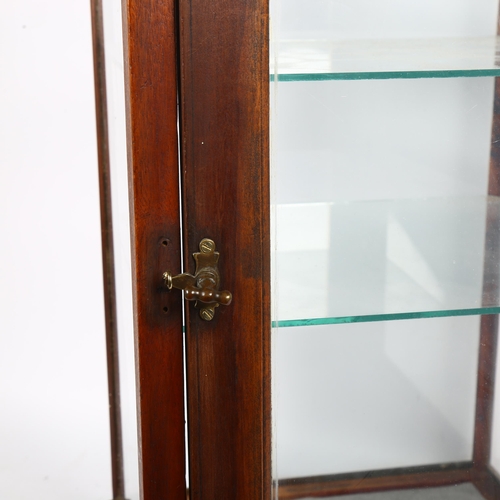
[151, 95]
[224, 94]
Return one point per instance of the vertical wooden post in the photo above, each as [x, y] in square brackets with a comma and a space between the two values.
[151, 94]
[225, 162]
[118, 480]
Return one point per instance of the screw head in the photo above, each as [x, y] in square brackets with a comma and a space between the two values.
[207, 245]
[207, 314]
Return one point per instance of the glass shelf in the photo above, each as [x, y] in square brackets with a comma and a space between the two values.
[314, 60]
[385, 260]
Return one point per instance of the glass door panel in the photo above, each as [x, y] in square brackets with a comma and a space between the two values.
[384, 208]
[375, 396]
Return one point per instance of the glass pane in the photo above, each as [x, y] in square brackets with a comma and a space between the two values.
[333, 39]
[382, 19]
[385, 207]
[381, 209]
[313, 60]
[112, 17]
[378, 396]
[377, 260]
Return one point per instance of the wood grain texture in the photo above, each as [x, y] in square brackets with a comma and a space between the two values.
[151, 92]
[108, 259]
[372, 481]
[225, 162]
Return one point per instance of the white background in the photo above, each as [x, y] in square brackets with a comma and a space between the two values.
[54, 424]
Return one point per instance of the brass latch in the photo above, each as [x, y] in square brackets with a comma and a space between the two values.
[203, 287]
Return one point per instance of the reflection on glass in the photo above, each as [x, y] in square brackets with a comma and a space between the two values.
[369, 261]
[384, 208]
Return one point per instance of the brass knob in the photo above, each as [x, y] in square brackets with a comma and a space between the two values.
[207, 295]
[203, 286]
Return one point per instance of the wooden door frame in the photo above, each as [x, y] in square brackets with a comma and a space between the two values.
[224, 94]
[224, 103]
[151, 98]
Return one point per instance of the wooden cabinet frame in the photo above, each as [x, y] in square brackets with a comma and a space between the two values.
[224, 92]
[222, 84]
[151, 94]
[204, 66]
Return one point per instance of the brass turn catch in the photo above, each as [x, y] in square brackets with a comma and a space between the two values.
[203, 287]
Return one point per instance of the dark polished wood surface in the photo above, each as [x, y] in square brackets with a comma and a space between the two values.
[151, 87]
[224, 93]
[372, 481]
[107, 247]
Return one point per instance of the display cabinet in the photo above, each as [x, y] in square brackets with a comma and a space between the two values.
[367, 255]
